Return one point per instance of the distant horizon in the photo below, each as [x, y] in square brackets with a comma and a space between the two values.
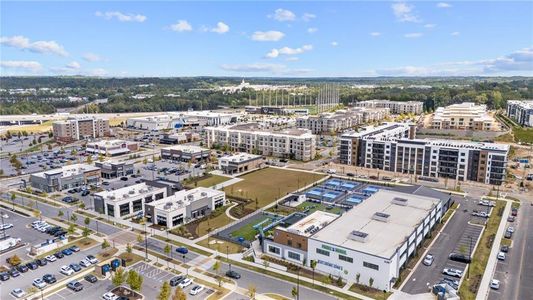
[272, 77]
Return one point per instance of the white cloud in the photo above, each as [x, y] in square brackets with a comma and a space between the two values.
[443, 5]
[292, 58]
[73, 65]
[221, 28]
[517, 63]
[288, 51]
[413, 35]
[404, 12]
[181, 26]
[32, 66]
[267, 36]
[108, 15]
[312, 29]
[24, 43]
[455, 33]
[308, 17]
[375, 33]
[272, 54]
[334, 44]
[429, 25]
[276, 69]
[92, 57]
[283, 15]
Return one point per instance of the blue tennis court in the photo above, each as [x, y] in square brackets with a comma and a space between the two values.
[342, 185]
[354, 200]
[316, 192]
[369, 190]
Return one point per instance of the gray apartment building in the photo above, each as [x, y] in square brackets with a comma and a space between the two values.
[521, 111]
[342, 119]
[396, 107]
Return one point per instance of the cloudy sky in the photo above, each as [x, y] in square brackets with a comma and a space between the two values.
[267, 38]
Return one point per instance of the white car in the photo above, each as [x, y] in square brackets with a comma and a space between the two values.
[109, 296]
[51, 258]
[91, 259]
[5, 226]
[428, 260]
[501, 256]
[85, 263]
[495, 284]
[510, 229]
[66, 270]
[18, 293]
[186, 282]
[39, 282]
[196, 290]
[453, 272]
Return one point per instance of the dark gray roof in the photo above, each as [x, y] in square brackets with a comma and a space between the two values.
[424, 191]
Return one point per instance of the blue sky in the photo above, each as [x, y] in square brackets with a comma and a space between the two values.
[222, 38]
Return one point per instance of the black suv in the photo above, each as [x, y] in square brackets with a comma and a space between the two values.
[32, 265]
[233, 274]
[460, 258]
[49, 278]
[59, 254]
[4, 276]
[91, 278]
[22, 268]
[41, 262]
[176, 280]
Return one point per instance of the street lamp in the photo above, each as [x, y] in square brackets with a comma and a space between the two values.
[145, 242]
[227, 256]
[470, 257]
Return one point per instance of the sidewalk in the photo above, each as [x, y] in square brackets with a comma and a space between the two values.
[490, 268]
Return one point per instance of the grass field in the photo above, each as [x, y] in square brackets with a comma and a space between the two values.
[523, 135]
[35, 128]
[247, 231]
[216, 222]
[221, 246]
[208, 181]
[269, 184]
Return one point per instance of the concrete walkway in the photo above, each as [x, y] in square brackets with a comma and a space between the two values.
[228, 209]
[490, 268]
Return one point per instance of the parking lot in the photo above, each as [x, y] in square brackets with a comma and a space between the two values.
[90, 291]
[459, 236]
[154, 278]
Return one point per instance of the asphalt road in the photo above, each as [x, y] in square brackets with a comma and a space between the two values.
[454, 236]
[516, 272]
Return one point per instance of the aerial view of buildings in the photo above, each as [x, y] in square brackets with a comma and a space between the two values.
[266, 150]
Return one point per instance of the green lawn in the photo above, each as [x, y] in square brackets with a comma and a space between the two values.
[208, 181]
[319, 206]
[247, 231]
[269, 184]
[523, 135]
[221, 245]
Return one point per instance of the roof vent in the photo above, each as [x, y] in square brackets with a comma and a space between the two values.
[204, 194]
[358, 236]
[382, 217]
[131, 192]
[399, 201]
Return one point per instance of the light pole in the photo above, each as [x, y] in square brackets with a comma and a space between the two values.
[298, 285]
[3, 229]
[227, 256]
[145, 242]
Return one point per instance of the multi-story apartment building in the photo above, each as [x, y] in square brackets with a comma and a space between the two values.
[521, 111]
[298, 144]
[464, 116]
[80, 128]
[392, 147]
[184, 206]
[395, 107]
[65, 178]
[127, 201]
[341, 119]
[112, 147]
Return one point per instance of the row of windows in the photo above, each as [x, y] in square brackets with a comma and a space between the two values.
[347, 259]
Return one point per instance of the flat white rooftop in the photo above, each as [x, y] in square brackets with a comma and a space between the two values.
[128, 191]
[186, 148]
[185, 197]
[68, 171]
[311, 223]
[240, 157]
[383, 224]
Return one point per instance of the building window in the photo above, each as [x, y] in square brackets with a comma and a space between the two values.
[345, 258]
[289, 243]
[111, 210]
[137, 205]
[293, 255]
[323, 252]
[274, 250]
[370, 265]
[124, 209]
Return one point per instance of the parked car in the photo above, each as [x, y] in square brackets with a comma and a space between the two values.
[14, 272]
[453, 283]
[233, 274]
[350, 174]
[75, 248]
[22, 268]
[196, 290]
[67, 252]
[182, 250]
[85, 263]
[176, 280]
[186, 282]
[59, 254]
[91, 259]
[109, 296]
[504, 249]
[428, 260]
[5, 226]
[514, 212]
[508, 235]
[85, 193]
[49, 278]
[453, 272]
[460, 258]
[41, 262]
[124, 178]
[75, 267]
[66, 270]
[39, 283]
[510, 219]
[4, 276]
[75, 286]
[495, 284]
[32, 265]
[18, 293]
[501, 256]
[510, 229]
[91, 278]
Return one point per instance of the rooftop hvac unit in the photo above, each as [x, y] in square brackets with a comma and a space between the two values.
[168, 205]
[309, 229]
[131, 192]
[143, 191]
[358, 236]
[190, 197]
[399, 201]
[382, 217]
[125, 196]
[204, 194]
[111, 197]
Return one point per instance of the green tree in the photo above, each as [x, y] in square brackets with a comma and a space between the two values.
[134, 280]
[73, 218]
[71, 229]
[313, 263]
[87, 221]
[179, 294]
[371, 282]
[167, 252]
[86, 232]
[105, 244]
[60, 213]
[128, 248]
[357, 277]
[89, 159]
[252, 290]
[119, 277]
[294, 292]
[216, 268]
[140, 238]
[164, 292]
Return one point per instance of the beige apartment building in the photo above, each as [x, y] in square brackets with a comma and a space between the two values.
[298, 144]
[80, 128]
[341, 119]
[395, 107]
[464, 116]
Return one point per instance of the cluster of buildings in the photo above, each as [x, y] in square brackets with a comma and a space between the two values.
[298, 144]
[395, 107]
[374, 240]
[464, 116]
[521, 111]
[239, 163]
[178, 120]
[75, 129]
[393, 147]
[64, 178]
[112, 147]
[333, 122]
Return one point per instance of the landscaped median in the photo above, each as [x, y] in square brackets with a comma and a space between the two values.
[470, 285]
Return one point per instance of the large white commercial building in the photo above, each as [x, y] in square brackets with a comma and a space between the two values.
[64, 178]
[177, 120]
[392, 147]
[376, 238]
[112, 147]
[298, 144]
[395, 107]
[127, 201]
[464, 116]
[184, 206]
[521, 111]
